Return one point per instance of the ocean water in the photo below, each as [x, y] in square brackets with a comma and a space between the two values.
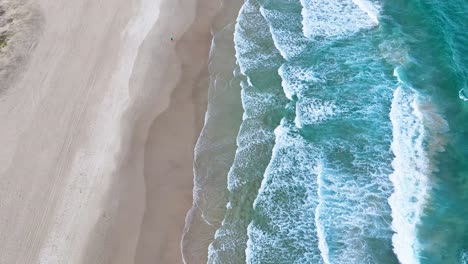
[353, 143]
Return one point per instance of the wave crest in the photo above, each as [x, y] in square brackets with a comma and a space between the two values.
[418, 134]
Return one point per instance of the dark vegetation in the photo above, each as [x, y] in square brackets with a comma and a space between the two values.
[3, 35]
[3, 40]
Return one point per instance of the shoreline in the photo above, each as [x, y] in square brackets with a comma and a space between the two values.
[218, 138]
[100, 130]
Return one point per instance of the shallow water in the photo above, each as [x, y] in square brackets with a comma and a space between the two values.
[352, 146]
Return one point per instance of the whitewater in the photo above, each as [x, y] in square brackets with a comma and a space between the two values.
[351, 146]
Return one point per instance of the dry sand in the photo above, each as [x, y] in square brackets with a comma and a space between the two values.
[97, 135]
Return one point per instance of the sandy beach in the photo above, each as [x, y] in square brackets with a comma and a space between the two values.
[98, 130]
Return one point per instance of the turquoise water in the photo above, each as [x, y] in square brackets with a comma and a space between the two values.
[353, 141]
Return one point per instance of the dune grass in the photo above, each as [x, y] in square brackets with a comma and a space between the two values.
[3, 40]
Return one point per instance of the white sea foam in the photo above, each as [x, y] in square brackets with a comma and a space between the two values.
[285, 35]
[312, 111]
[409, 178]
[330, 18]
[417, 135]
[351, 214]
[322, 242]
[258, 59]
[370, 8]
[396, 73]
[296, 78]
[256, 101]
[291, 171]
[462, 95]
[464, 257]
[308, 110]
[289, 90]
[251, 54]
